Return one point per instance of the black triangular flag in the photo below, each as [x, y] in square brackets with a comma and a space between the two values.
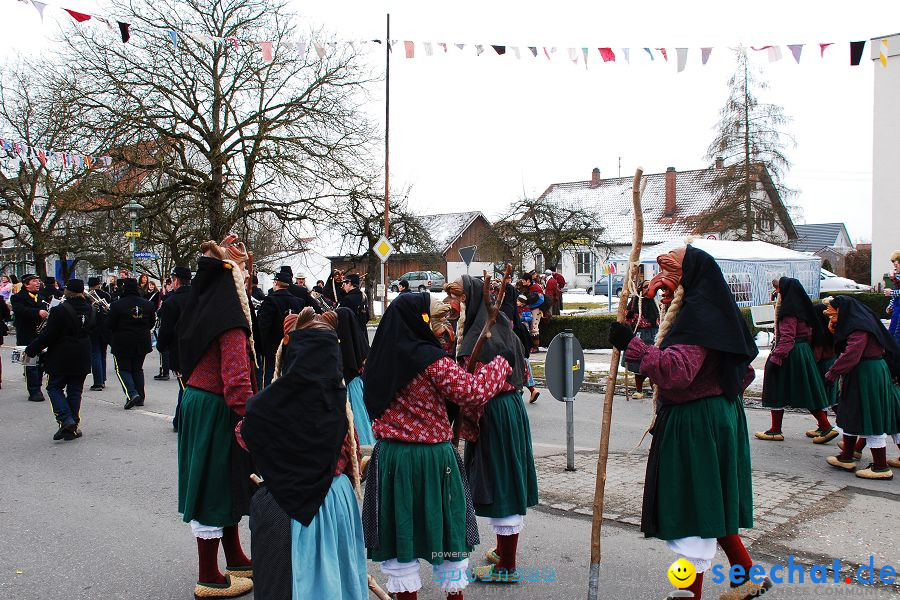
[125, 30]
[856, 52]
[499, 49]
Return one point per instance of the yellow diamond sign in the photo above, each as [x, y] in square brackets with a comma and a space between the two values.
[383, 249]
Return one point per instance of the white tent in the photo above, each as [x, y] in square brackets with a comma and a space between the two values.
[749, 267]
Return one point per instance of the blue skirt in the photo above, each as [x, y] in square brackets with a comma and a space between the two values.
[361, 420]
[327, 557]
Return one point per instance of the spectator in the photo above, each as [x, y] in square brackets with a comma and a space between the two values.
[110, 286]
[144, 284]
[403, 286]
[522, 331]
[5, 316]
[153, 294]
[535, 301]
[561, 282]
[553, 292]
[17, 285]
[6, 288]
[893, 308]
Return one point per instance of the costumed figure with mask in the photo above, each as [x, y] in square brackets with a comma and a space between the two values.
[499, 458]
[792, 377]
[307, 537]
[867, 366]
[698, 486]
[215, 351]
[354, 350]
[643, 316]
[417, 503]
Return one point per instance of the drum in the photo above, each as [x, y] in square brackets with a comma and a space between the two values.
[19, 356]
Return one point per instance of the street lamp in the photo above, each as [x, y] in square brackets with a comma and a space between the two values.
[133, 208]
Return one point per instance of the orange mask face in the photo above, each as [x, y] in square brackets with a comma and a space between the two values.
[832, 314]
[669, 277]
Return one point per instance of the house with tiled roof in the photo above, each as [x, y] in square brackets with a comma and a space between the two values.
[830, 241]
[672, 202]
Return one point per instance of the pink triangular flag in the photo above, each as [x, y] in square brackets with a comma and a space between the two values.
[410, 49]
[266, 48]
[822, 48]
[663, 52]
[40, 8]
[704, 54]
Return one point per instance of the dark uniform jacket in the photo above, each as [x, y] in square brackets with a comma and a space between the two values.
[355, 301]
[130, 320]
[257, 294]
[301, 292]
[67, 338]
[26, 309]
[169, 315]
[270, 318]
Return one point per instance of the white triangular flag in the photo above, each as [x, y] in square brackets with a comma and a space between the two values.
[429, 51]
[627, 53]
[774, 53]
[40, 8]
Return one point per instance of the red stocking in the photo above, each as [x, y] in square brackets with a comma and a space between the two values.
[861, 443]
[879, 458]
[208, 559]
[410, 595]
[234, 554]
[506, 548]
[822, 419]
[777, 417]
[639, 382]
[697, 587]
[736, 552]
[455, 596]
[849, 445]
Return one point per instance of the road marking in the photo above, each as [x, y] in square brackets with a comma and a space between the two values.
[563, 447]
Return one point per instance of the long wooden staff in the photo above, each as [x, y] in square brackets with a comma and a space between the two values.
[485, 331]
[600, 487]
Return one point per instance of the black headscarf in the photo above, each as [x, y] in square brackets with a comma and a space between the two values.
[853, 315]
[403, 347]
[509, 307]
[296, 426]
[649, 310]
[710, 318]
[354, 345]
[796, 303]
[213, 308]
[827, 340]
[502, 335]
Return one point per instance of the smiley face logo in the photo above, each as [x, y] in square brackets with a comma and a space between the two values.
[682, 573]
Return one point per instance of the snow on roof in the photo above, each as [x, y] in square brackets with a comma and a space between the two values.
[446, 228]
[727, 250]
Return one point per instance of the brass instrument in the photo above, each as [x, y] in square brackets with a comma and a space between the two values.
[43, 323]
[97, 301]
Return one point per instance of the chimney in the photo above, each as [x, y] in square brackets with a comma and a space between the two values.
[720, 162]
[670, 192]
[595, 178]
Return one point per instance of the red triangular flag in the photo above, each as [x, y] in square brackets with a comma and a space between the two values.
[80, 17]
[607, 54]
[822, 49]
[663, 52]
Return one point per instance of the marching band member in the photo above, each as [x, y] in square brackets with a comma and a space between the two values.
[29, 311]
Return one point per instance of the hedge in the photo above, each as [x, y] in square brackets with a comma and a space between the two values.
[877, 302]
[593, 330]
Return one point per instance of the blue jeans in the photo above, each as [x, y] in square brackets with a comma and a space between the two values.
[65, 396]
[98, 362]
[33, 378]
[130, 370]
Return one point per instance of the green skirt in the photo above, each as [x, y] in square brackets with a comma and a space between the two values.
[795, 383]
[421, 504]
[869, 400]
[204, 459]
[831, 388]
[500, 465]
[698, 474]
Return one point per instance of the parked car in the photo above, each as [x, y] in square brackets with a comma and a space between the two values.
[432, 281]
[601, 286]
[829, 282]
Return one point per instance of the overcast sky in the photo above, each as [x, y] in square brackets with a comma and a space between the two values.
[475, 133]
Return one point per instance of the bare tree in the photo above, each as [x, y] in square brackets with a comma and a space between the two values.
[750, 141]
[44, 194]
[238, 135]
[536, 226]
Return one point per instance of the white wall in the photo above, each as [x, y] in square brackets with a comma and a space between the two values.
[885, 158]
[458, 269]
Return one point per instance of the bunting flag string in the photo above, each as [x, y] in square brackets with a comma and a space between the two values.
[50, 159]
[576, 54]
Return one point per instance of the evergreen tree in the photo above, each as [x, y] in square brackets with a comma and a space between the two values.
[750, 142]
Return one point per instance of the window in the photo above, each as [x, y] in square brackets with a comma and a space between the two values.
[741, 288]
[583, 263]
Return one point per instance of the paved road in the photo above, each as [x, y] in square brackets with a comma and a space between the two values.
[96, 518]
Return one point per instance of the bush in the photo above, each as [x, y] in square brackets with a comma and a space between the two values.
[877, 302]
[593, 330]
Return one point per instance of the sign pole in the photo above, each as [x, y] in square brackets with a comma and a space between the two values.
[569, 399]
